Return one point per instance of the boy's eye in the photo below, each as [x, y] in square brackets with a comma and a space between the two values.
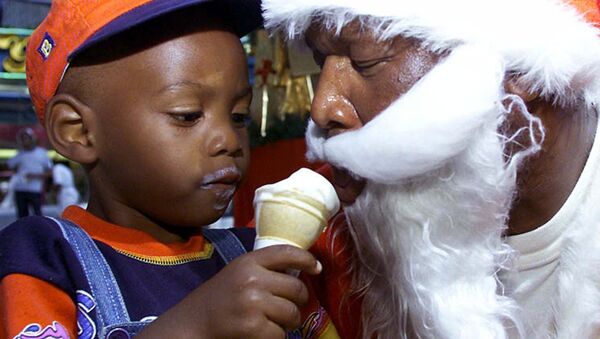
[186, 118]
[241, 119]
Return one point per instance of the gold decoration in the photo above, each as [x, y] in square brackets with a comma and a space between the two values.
[12, 66]
[14, 62]
[296, 99]
[280, 89]
[297, 95]
[264, 72]
[7, 40]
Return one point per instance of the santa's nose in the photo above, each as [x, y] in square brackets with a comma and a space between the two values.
[332, 109]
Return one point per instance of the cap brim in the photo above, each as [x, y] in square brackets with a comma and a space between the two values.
[245, 16]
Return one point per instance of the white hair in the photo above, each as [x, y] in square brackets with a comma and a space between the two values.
[576, 309]
[456, 112]
[430, 234]
[429, 251]
[428, 228]
[547, 42]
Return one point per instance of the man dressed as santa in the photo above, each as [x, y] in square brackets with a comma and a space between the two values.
[462, 135]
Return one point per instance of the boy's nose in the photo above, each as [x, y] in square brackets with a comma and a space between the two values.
[223, 140]
[332, 108]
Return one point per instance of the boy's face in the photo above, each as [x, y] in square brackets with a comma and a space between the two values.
[171, 135]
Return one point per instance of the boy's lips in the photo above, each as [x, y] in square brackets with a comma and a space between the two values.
[222, 183]
[219, 186]
[224, 178]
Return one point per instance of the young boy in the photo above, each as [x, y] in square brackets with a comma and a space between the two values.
[151, 97]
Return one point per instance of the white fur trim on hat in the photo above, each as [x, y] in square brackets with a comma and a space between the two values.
[546, 41]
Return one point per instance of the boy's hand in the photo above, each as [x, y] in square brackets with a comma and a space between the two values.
[252, 297]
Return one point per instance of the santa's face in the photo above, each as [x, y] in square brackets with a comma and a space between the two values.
[361, 75]
[422, 130]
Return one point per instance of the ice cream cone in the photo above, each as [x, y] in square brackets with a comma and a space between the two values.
[294, 211]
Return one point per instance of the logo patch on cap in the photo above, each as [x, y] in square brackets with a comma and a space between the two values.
[46, 46]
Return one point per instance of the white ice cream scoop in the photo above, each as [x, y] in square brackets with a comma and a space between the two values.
[294, 211]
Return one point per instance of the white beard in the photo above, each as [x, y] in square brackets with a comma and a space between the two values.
[428, 226]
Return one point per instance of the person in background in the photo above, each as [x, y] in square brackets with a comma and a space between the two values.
[32, 167]
[62, 179]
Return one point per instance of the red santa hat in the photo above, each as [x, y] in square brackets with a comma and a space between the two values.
[590, 9]
[553, 44]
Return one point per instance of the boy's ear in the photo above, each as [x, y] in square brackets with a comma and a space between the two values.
[69, 125]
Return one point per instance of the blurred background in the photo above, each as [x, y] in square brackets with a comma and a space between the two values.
[283, 78]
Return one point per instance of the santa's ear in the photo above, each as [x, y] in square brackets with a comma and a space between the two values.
[517, 86]
[70, 128]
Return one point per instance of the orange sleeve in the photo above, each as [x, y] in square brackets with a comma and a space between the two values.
[26, 302]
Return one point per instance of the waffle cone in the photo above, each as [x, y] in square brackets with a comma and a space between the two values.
[290, 223]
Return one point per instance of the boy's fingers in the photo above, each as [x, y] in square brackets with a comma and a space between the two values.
[287, 287]
[284, 313]
[284, 257]
[272, 330]
[264, 328]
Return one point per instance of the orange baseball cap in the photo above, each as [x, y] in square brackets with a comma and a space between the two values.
[73, 25]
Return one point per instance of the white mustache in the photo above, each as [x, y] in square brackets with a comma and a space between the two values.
[418, 133]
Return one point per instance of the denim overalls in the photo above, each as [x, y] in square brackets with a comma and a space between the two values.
[113, 320]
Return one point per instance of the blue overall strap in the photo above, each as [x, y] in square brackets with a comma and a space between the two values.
[111, 307]
[225, 242]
